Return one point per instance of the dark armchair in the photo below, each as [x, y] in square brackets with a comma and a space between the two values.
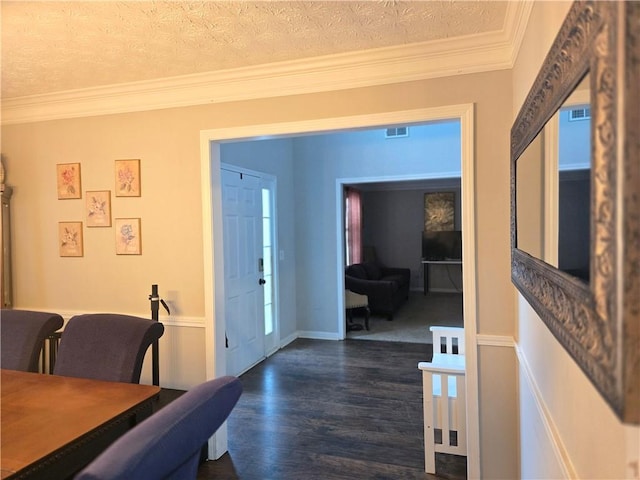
[22, 334]
[167, 444]
[386, 287]
[106, 346]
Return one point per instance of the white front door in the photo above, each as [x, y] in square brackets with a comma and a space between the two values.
[243, 266]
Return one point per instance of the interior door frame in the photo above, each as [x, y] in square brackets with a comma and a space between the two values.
[210, 141]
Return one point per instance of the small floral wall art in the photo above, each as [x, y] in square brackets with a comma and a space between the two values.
[68, 180]
[98, 208]
[70, 239]
[128, 236]
[127, 178]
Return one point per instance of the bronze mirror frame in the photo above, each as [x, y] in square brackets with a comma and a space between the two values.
[597, 323]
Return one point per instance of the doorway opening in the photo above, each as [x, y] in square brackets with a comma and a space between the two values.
[393, 227]
[211, 142]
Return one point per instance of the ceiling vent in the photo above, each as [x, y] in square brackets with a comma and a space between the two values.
[579, 114]
[396, 132]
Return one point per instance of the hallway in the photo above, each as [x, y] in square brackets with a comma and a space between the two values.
[332, 410]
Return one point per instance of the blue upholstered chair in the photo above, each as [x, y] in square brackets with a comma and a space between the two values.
[22, 334]
[105, 346]
[167, 444]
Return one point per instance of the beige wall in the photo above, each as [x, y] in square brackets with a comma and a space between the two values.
[167, 142]
[567, 430]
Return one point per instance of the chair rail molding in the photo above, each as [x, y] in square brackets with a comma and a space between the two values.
[495, 340]
[172, 321]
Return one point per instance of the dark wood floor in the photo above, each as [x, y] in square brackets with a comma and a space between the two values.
[331, 410]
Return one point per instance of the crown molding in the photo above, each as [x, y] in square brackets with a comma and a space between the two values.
[418, 61]
[516, 21]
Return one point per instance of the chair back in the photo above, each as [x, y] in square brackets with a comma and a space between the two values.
[167, 445]
[22, 335]
[105, 346]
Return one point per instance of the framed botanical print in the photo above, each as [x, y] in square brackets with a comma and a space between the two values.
[68, 181]
[70, 239]
[128, 236]
[127, 179]
[98, 208]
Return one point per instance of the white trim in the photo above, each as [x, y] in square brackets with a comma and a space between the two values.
[559, 450]
[286, 341]
[318, 335]
[470, 285]
[210, 158]
[452, 175]
[517, 19]
[495, 340]
[166, 320]
[215, 358]
[328, 125]
[395, 64]
[341, 256]
[434, 183]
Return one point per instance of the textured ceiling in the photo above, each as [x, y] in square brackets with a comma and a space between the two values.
[58, 46]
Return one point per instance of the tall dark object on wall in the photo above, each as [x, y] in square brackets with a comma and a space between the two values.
[597, 322]
[5, 239]
[439, 211]
[155, 353]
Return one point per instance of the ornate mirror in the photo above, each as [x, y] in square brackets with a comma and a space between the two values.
[591, 303]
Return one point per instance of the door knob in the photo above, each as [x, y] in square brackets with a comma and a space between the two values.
[262, 281]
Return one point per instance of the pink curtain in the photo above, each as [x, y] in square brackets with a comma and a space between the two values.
[354, 226]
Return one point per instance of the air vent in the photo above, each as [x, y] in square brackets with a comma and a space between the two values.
[579, 114]
[397, 132]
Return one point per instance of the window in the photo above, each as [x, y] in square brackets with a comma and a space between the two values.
[267, 255]
[353, 226]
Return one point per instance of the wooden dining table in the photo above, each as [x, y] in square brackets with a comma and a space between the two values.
[52, 426]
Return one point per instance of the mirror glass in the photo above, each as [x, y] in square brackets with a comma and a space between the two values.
[530, 198]
[574, 184]
[570, 250]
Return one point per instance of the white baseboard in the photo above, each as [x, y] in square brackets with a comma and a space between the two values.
[317, 335]
[287, 340]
